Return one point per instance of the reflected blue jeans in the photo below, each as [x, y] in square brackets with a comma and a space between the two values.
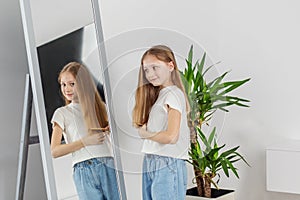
[164, 178]
[95, 179]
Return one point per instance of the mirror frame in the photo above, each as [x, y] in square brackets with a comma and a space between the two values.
[108, 97]
[39, 103]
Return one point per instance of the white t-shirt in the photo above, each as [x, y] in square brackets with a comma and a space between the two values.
[70, 119]
[158, 121]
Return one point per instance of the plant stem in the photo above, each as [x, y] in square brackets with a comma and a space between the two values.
[199, 181]
[207, 186]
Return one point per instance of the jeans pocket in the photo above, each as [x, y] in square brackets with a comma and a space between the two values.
[107, 161]
[172, 166]
[184, 173]
[170, 163]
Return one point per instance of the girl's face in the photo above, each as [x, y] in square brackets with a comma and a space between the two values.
[68, 87]
[157, 72]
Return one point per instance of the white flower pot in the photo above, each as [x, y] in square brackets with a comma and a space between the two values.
[225, 195]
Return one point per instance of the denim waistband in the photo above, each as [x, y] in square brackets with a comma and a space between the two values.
[94, 161]
[156, 157]
[153, 162]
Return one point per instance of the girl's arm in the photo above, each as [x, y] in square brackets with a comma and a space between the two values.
[170, 136]
[58, 149]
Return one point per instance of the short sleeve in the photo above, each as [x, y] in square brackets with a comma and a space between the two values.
[174, 100]
[58, 118]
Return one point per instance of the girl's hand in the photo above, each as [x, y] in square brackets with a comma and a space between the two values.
[143, 132]
[93, 139]
[100, 130]
[106, 128]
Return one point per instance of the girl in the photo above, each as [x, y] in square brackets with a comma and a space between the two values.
[160, 115]
[84, 125]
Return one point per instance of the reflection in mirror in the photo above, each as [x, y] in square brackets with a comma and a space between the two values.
[79, 46]
[55, 38]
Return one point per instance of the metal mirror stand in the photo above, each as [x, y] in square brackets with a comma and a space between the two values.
[35, 89]
[26, 140]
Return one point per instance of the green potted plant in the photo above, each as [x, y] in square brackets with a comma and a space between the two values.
[205, 98]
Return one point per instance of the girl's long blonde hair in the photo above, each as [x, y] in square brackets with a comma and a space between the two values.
[146, 94]
[92, 106]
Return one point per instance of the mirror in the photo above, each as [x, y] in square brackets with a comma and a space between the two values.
[56, 33]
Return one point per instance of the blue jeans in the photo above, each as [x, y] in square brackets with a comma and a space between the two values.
[95, 179]
[164, 178]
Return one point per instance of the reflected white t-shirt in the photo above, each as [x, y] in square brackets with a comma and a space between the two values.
[70, 119]
[158, 121]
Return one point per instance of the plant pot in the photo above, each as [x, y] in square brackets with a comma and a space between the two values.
[221, 194]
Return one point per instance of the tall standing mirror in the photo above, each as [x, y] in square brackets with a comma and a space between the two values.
[56, 33]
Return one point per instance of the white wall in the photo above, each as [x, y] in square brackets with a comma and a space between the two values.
[256, 39]
[52, 19]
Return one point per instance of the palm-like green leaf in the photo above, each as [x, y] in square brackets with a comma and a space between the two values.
[209, 96]
[205, 99]
[212, 158]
